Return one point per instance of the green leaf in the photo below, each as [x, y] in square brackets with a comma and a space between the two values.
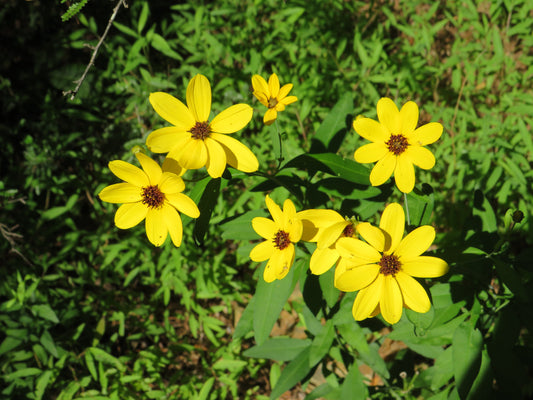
[331, 132]
[8, 344]
[269, 301]
[240, 228]
[48, 343]
[143, 17]
[42, 384]
[321, 343]
[482, 386]
[89, 361]
[159, 43]
[466, 354]
[45, 311]
[279, 349]
[421, 204]
[421, 321]
[354, 386]
[21, 373]
[329, 291]
[293, 373]
[336, 165]
[483, 209]
[102, 356]
[230, 365]
[206, 389]
[69, 391]
[443, 369]
[206, 206]
[246, 322]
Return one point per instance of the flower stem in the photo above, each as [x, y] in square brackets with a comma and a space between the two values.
[407, 209]
[277, 144]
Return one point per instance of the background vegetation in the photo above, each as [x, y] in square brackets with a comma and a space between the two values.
[89, 311]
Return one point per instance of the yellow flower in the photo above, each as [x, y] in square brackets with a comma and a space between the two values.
[274, 98]
[280, 232]
[194, 141]
[150, 193]
[383, 267]
[325, 227]
[396, 144]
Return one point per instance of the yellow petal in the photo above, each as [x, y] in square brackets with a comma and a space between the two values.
[371, 130]
[415, 243]
[193, 155]
[266, 228]
[152, 168]
[427, 134]
[357, 251]
[262, 97]
[291, 223]
[232, 119]
[408, 118]
[287, 100]
[373, 235]
[288, 259]
[371, 152]
[130, 214]
[174, 225]
[121, 193]
[284, 91]
[391, 302]
[260, 86]
[171, 183]
[414, 295]
[367, 299]
[172, 110]
[237, 154]
[171, 165]
[420, 156]
[330, 234]
[270, 116]
[340, 269]
[357, 278]
[389, 115]
[425, 267]
[199, 98]
[164, 139]
[156, 228]
[383, 169]
[129, 173]
[275, 211]
[273, 85]
[183, 203]
[315, 219]
[322, 260]
[404, 174]
[393, 223]
[216, 158]
[262, 251]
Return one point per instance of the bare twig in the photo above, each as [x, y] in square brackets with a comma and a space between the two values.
[12, 237]
[74, 92]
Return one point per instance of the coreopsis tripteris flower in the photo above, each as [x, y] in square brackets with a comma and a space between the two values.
[397, 144]
[280, 232]
[194, 141]
[382, 267]
[150, 193]
[325, 227]
[272, 96]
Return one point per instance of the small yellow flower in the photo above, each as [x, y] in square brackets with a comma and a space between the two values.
[396, 143]
[194, 141]
[280, 232]
[325, 227]
[270, 95]
[383, 267]
[150, 193]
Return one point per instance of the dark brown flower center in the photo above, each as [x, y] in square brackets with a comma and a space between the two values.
[200, 130]
[152, 196]
[397, 144]
[389, 264]
[281, 240]
[349, 231]
[272, 102]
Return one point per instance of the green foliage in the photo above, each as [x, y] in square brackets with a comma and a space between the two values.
[90, 311]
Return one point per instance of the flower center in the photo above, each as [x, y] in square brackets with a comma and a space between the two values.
[152, 196]
[397, 144]
[272, 102]
[200, 131]
[281, 240]
[389, 264]
[349, 231]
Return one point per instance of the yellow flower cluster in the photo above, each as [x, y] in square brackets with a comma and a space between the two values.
[193, 141]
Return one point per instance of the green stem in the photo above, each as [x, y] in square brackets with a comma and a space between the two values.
[407, 209]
